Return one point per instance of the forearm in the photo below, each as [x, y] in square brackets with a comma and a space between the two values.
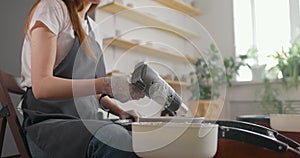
[59, 88]
[114, 108]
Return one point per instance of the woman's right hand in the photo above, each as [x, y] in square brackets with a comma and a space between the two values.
[130, 114]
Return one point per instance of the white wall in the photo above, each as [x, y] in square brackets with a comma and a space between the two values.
[218, 20]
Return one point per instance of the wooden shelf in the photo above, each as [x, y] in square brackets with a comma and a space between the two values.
[145, 19]
[148, 50]
[180, 6]
[175, 84]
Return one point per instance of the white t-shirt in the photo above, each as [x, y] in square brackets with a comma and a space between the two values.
[54, 14]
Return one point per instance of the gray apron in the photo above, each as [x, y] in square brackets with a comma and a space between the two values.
[63, 128]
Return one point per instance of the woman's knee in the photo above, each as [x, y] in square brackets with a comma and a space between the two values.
[111, 141]
[115, 136]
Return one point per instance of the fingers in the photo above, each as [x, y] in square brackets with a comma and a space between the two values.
[131, 114]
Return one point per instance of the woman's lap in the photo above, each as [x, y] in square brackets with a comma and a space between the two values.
[110, 141]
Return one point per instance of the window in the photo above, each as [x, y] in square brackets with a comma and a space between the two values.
[266, 25]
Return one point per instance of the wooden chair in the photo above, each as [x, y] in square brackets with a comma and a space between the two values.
[8, 114]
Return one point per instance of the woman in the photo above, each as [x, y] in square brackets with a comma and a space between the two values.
[62, 81]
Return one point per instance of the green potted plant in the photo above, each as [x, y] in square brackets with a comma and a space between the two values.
[270, 101]
[273, 104]
[232, 66]
[288, 66]
[271, 98]
[207, 76]
[207, 79]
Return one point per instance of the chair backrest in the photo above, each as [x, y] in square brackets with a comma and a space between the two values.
[8, 83]
[11, 83]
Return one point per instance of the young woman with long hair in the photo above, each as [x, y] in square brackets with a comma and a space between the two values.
[65, 84]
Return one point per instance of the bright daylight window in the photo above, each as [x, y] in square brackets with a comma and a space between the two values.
[263, 25]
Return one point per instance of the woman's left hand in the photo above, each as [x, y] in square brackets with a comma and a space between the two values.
[130, 114]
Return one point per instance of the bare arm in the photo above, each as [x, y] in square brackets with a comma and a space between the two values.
[47, 86]
[112, 106]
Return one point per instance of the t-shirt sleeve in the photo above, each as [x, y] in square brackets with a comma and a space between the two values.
[52, 13]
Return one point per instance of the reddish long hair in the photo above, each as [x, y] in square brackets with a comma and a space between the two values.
[73, 6]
